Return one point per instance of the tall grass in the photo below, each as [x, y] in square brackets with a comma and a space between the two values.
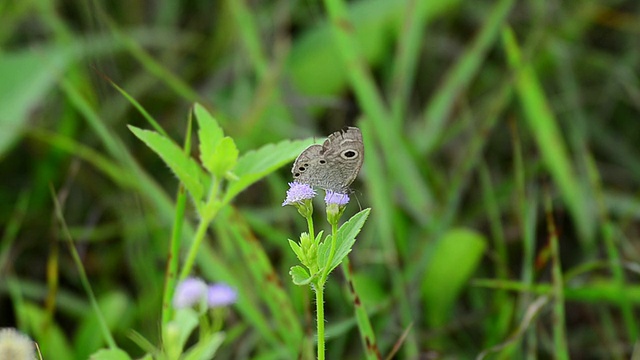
[502, 172]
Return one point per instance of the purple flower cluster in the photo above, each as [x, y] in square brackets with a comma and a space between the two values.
[194, 291]
[336, 198]
[297, 193]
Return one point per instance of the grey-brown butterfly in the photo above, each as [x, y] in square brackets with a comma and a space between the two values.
[334, 164]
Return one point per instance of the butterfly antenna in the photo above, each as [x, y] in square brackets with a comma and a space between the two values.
[355, 194]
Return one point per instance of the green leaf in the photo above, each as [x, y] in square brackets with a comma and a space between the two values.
[296, 249]
[209, 134]
[114, 306]
[177, 331]
[544, 128]
[256, 164]
[225, 157]
[185, 168]
[345, 239]
[300, 276]
[206, 348]
[454, 259]
[27, 77]
[323, 252]
[110, 354]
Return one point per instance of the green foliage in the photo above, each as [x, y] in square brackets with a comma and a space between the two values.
[26, 79]
[453, 261]
[345, 239]
[185, 168]
[300, 276]
[110, 354]
[256, 164]
[473, 113]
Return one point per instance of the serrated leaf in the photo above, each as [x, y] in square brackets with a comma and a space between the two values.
[256, 164]
[224, 158]
[110, 354]
[297, 250]
[346, 237]
[300, 276]
[209, 134]
[185, 168]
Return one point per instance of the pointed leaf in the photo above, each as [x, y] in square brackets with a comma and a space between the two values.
[257, 164]
[209, 134]
[224, 158]
[296, 249]
[346, 237]
[185, 168]
[300, 276]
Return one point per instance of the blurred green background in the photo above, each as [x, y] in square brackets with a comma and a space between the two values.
[502, 168]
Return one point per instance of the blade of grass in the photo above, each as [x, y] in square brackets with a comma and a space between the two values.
[526, 213]
[456, 186]
[12, 228]
[561, 350]
[418, 197]
[380, 196]
[615, 262]
[498, 326]
[246, 25]
[362, 318]
[458, 79]
[104, 329]
[544, 129]
[264, 274]
[406, 58]
[173, 258]
[138, 107]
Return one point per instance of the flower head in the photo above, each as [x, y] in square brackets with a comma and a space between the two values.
[189, 292]
[297, 193]
[336, 198]
[15, 345]
[336, 203]
[221, 295]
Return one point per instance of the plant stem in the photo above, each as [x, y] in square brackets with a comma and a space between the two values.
[312, 234]
[319, 289]
[207, 214]
[193, 251]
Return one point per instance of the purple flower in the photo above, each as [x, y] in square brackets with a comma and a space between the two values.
[189, 292]
[221, 295]
[297, 193]
[336, 198]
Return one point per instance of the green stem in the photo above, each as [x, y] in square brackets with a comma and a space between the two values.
[207, 214]
[332, 253]
[193, 251]
[319, 288]
[312, 235]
